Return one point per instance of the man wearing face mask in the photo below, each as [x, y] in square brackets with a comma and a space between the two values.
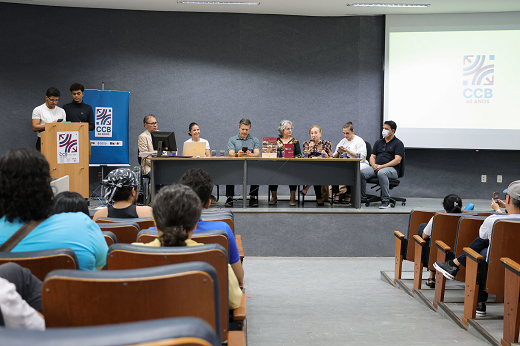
[385, 163]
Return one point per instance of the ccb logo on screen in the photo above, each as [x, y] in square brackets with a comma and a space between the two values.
[478, 78]
[104, 122]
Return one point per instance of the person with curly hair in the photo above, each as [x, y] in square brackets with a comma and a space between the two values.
[176, 211]
[26, 195]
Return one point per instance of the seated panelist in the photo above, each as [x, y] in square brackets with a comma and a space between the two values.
[315, 148]
[285, 130]
[144, 142]
[194, 132]
[121, 190]
[236, 146]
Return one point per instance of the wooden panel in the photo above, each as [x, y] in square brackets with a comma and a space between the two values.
[41, 266]
[398, 257]
[417, 217]
[220, 239]
[125, 234]
[418, 264]
[77, 172]
[440, 280]
[69, 302]
[445, 229]
[511, 305]
[467, 232]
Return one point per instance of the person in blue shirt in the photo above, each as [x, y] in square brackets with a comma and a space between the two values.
[26, 196]
[200, 182]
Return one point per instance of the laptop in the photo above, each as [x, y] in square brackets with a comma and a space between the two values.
[194, 149]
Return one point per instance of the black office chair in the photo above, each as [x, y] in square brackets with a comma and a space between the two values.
[393, 183]
[144, 183]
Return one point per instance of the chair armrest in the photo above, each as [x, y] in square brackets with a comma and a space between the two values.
[398, 235]
[473, 254]
[419, 240]
[238, 240]
[442, 246]
[239, 314]
[236, 338]
[511, 265]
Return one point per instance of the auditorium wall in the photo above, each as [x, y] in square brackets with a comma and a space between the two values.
[215, 69]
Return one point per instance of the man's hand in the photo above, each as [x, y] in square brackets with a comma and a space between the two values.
[241, 153]
[342, 149]
[248, 153]
[377, 167]
[497, 205]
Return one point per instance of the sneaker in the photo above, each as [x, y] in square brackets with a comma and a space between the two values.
[481, 309]
[253, 201]
[384, 205]
[449, 271]
[229, 202]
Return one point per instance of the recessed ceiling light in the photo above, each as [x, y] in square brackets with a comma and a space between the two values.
[387, 5]
[218, 3]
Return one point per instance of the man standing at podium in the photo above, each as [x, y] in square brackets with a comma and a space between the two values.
[144, 142]
[48, 112]
[77, 111]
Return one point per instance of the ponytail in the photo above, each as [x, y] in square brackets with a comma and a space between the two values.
[173, 236]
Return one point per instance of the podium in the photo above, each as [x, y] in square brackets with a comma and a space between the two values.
[66, 147]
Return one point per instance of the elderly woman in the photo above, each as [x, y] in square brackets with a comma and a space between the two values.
[285, 137]
[315, 148]
[352, 146]
[194, 132]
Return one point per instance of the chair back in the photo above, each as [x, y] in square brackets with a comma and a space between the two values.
[110, 238]
[147, 235]
[504, 242]
[87, 298]
[219, 217]
[42, 262]
[444, 228]
[417, 217]
[143, 222]
[124, 256]
[179, 331]
[226, 213]
[467, 231]
[401, 171]
[369, 150]
[126, 232]
[219, 237]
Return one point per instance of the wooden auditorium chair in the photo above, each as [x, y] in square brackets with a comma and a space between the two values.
[42, 262]
[125, 231]
[444, 228]
[404, 249]
[511, 305]
[467, 231]
[143, 222]
[504, 242]
[124, 256]
[110, 238]
[74, 298]
[219, 216]
[179, 331]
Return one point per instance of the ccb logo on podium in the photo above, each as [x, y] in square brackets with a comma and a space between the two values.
[68, 151]
[104, 122]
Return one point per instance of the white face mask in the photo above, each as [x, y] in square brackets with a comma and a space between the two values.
[385, 133]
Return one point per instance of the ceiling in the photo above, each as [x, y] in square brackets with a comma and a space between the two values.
[293, 7]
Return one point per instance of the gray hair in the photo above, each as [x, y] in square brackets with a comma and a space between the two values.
[245, 121]
[282, 126]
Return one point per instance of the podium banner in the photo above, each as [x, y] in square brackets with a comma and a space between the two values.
[109, 140]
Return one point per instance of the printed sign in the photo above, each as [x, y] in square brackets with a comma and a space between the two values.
[106, 143]
[104, 122]
[68, 147]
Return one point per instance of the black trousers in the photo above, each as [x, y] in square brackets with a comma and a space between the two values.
[39, 144]
[253, 190]
[480, 246]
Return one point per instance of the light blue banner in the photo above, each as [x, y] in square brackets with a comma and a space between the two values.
[109, 140]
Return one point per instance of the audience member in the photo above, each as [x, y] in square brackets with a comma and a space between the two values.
[194, 132]
[202, 184]
[315, 148]
[48, 112]
[385, 163]
[121, 190]
[352, 146]
[176, 210]
[236, 146]
[451, 204]
[20, 298]
[480, 245]
[285, 130]
[144, 141]
[70, 202]
[26, 198]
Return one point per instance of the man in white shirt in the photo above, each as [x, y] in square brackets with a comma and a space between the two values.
[48, 112]
[144, 142]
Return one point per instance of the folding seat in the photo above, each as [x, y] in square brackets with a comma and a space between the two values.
[110, 238]
[125, 231]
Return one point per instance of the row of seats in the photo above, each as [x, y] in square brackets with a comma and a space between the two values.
[184, 281]
[451, 236]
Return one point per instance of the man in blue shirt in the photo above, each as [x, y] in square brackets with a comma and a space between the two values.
[236, 144]
[201, 182]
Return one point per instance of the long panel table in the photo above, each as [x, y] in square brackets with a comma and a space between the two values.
[262, 171]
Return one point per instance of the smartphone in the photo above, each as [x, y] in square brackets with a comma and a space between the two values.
[495, 195]
[244, 149]
[60, 120]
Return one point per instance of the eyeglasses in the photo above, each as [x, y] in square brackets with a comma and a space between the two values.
[153, 124]
[54, 100]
